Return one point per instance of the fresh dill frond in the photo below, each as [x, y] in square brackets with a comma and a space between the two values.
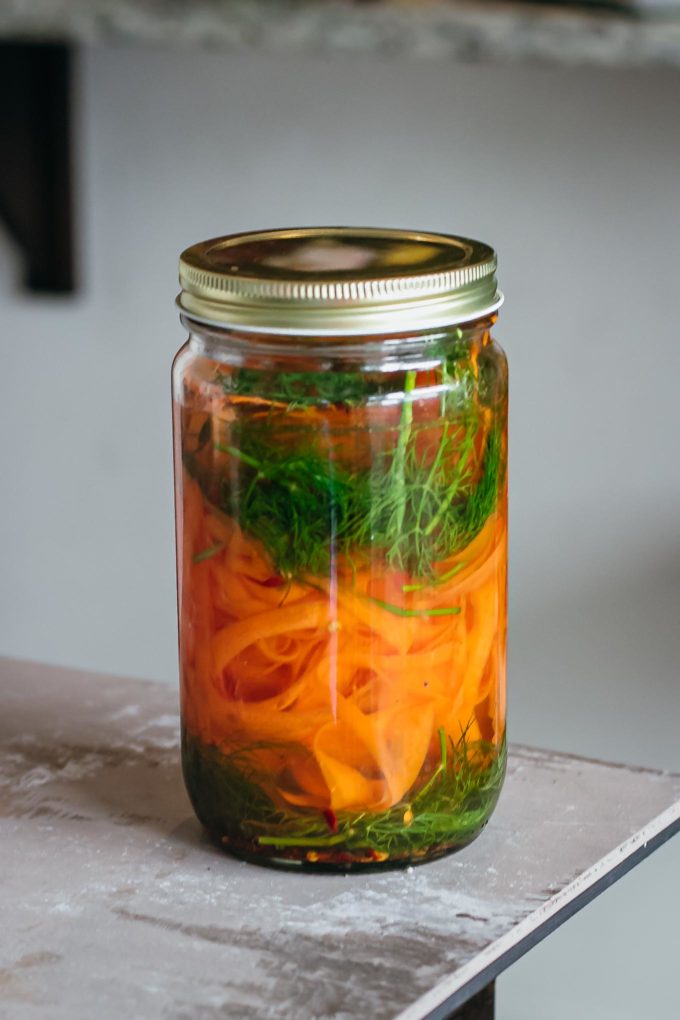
[417, 503]
[297, 504]
[301, 389]
[447, 809]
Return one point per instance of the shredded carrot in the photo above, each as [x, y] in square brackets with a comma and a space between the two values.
[360, 691]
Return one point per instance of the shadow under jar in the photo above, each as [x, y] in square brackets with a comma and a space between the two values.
[340, 456]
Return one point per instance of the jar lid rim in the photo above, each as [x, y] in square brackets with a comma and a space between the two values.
[338, 280]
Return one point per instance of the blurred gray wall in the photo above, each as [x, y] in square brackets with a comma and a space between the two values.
[574, 176]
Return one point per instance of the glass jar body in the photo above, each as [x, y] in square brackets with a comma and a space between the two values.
[342, 548]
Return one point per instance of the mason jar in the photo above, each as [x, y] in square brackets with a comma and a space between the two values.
[340, 412]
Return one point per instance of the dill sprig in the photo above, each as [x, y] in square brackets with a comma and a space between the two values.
[297, 504]
[232, 800]
[419, 501]
[301, 389]
[306, 508]
[437, 508]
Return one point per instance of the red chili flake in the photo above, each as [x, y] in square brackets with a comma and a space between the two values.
[275, 581]
[331, 820]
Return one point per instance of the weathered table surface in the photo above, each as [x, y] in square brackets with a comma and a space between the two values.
[115, 905]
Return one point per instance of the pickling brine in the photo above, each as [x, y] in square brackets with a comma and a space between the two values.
[342, 549]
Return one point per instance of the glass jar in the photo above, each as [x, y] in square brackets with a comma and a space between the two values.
[340, 455]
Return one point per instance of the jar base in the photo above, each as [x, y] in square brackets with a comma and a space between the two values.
[342, 862]
[454, 804]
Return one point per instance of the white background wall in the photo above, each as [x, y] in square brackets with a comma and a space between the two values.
[574, 176]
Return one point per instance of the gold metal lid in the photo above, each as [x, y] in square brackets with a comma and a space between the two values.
[338, 281]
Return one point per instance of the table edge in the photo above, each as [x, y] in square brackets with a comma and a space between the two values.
[455, 990]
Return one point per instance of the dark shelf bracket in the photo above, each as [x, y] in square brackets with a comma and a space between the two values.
[480, 1007]
[36, 201]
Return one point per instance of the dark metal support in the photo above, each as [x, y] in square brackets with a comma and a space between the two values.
[35, 171]
[481, 1006]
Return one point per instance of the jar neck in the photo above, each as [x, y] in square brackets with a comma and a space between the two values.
[371, 352]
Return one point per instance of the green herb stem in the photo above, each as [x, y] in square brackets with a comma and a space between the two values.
[310, 841]
[441, 579]
[401, 611]
[398, 468]
[206, 554]
[240, 455]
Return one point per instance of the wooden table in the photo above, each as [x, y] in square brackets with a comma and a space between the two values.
[114, 904]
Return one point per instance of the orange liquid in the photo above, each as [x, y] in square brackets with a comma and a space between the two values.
[337, 690]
